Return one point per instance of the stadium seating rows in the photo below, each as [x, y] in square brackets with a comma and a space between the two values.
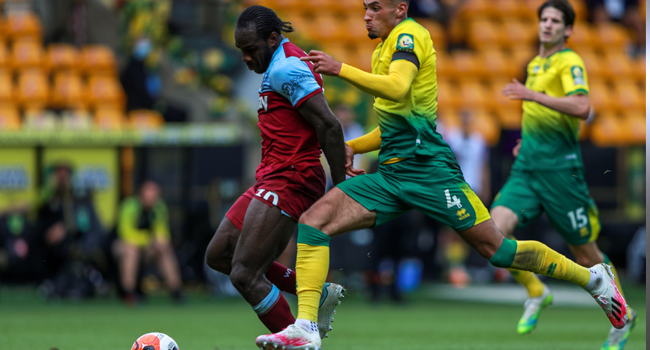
[34, 80]
[502, 38]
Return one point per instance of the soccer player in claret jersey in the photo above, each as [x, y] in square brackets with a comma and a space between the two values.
[296, 123]
[417, 171]
[548, 174]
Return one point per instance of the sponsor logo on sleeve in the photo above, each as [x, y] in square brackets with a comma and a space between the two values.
[290, 87]
[405, 43]
[578, 75]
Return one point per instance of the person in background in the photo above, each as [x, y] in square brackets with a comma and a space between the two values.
[473, 157]
[625, 12]
[143, 230]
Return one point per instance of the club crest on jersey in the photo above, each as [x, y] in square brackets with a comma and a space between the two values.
[405, 43]
[536, 69]
[264, 103]
[578, 76]
[288, 89]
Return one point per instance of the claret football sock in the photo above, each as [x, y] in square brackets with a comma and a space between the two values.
[283, 277]
[274, 311]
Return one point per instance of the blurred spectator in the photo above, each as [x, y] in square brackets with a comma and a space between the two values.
[625, 12]
[71, 241]
[142, 83]
[143, 232]
[472, 154]
[473, 157]
[351, 129]
[78, 22]
[437, 10]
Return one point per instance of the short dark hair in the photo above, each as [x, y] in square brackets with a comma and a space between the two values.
[265, 20]
[563, 6]
[396, 2]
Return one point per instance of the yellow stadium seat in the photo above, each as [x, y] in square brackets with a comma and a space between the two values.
[508, 111]
[608, 131]
[145, 119]
[585, 131]
[356, 29]
[507, 9]
[333, 6]
[33, 89]
[22, 25]
[595, 65]
[580, 9]
[442, 65]
[611, 37]
[110, 119]
[335, 29]
[519, 33]
[364, 57]
[485, 34]
[68, 91]
[27, 54]
[448, 96]
[521, 56]
[4, 56]
[583, 35]
[627, 96]
[474, 9]
[638, 69]
[98, 59]
[463, 65]
[634, 125]
[105, 91]
[447, 119]
[342, 53]
[9, 118]
[601, 97]
[485, 124]
[62, 57]
[474, 95]
[6, 88]
[618, 66]
[496, 63]
[438, 35]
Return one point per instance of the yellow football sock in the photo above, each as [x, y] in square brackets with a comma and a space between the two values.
[312, 265]
[536, 257]
[618, 282]
[533, 285]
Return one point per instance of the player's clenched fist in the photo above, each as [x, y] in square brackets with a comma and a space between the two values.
[323, 63]
[517, 91]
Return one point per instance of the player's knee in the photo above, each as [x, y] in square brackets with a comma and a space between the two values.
[310, 218]
[587, 261]
[218, 262]
[242, 278]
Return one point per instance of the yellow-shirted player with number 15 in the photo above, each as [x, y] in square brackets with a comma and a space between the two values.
[548, 175]
[417, 171]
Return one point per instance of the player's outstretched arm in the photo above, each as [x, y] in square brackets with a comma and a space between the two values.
[392, 87]
[330, 133]
[574, 105]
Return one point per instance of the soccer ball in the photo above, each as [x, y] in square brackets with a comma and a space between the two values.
[155, 341]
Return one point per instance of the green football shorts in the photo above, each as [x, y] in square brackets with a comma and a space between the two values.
[434, 187]
[563, 194]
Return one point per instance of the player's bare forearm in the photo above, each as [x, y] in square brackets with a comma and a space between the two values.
[575, 105]
[329, 131]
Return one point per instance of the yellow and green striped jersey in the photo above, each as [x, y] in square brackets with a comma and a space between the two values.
[550, 138]
[408, 127]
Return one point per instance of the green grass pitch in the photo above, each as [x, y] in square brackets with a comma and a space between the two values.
[204, 324]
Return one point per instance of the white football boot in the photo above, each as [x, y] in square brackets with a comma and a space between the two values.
[608, 296]
[532, 308]
[293, 337]
[330, 299]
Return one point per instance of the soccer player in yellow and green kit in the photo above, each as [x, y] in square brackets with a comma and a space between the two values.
[417, 171]
[548, 174]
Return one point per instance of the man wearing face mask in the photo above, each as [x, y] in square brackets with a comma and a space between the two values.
[295, 123]
[142, 83]
[548, 174]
